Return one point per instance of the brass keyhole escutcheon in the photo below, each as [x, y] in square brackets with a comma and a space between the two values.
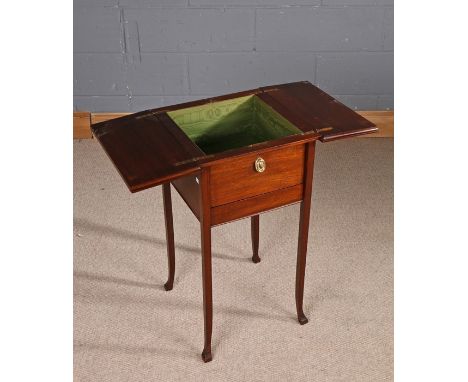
[260, 164]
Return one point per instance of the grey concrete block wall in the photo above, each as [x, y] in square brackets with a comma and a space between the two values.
[132, 55]
[219, 73]
[320, 29]
[193, 29]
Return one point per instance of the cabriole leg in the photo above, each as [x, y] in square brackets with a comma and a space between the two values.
[205, 227]
[304, 232]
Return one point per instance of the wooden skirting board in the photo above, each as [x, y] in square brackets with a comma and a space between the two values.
[82, 125]
[82, 122]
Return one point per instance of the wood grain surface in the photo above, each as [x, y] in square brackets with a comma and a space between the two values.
[255, 205]
[237, 179]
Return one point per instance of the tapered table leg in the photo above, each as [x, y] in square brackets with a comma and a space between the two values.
[205, 227]
[166, 187]
[254, 229]
[304, 231]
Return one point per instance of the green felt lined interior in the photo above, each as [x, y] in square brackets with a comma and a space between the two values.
[234, 123]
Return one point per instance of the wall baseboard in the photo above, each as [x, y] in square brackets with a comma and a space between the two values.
[383, 120]
[82, 122]
[82, 125]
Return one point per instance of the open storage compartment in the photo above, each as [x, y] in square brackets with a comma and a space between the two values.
[234, 123]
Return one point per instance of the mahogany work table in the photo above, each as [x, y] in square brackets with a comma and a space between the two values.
[231, 157]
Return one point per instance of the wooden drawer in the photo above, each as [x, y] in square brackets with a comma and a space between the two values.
[257, 204]
[236, 178]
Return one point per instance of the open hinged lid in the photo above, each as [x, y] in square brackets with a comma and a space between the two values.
[147, 149]
[156, 146]
[311, 109]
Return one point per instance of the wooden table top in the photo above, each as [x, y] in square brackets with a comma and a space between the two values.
[148, 148]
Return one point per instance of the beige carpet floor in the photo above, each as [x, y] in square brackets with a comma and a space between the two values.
[127, 328]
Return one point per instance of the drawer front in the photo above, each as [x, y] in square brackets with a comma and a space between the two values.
[238, 178]
[255, 205]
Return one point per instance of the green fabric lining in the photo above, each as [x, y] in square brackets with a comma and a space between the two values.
[234, 123]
